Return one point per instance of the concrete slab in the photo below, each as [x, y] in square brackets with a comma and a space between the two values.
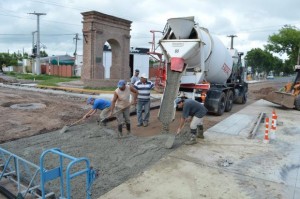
[238, 123]
[226, 164]
[181, 179]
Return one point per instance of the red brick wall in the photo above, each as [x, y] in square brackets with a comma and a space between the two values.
[61, 70]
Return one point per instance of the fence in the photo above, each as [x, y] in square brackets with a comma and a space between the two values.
[58, 70]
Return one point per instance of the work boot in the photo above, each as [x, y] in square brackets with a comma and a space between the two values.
[145, 124]
[200, 132]
[120, 127]
[128, 129]
[103, 122]
[192, 140]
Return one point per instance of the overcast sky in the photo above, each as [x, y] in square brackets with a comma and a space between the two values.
[251, 20]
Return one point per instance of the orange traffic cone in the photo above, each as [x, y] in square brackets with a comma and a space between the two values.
[273, 126]
[273, 112]
[266, 138]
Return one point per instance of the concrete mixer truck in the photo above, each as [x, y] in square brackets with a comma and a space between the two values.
[200, 67]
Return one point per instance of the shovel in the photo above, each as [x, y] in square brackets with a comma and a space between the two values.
[65, 128]
[115, 113]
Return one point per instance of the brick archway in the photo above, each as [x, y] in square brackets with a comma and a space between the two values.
[99, 28]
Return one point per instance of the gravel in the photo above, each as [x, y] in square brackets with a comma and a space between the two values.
[118, 159]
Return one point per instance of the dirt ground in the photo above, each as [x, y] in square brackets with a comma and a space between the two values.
[27, 132]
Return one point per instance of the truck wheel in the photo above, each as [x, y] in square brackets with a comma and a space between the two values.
[221, 105]
[242, 99]
[229, 101]
[297, 103]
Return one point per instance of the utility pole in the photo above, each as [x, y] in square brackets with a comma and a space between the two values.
[33, 53]
[231, 44]
[75, 53]
[76, 38]
[38, 64]
[33, 41]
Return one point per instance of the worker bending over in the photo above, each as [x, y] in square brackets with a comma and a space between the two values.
[197, 111]
[101, 104]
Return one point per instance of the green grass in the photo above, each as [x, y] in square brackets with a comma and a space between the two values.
[102, 88]
[44, 80]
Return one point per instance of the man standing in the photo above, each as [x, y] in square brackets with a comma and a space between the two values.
[144, 87]
[121, 101]
[101, 104]
[135, 77]
[197, 111]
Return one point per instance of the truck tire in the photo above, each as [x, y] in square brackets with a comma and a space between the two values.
[297, 103]
[221, 104]
[229, 101]
[242, 99]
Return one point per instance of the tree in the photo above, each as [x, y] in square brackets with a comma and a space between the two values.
[262, 60]
[25, 56]
[43, 53]
[255, 58]
[8, 60]
[287, 41]
[278, 66]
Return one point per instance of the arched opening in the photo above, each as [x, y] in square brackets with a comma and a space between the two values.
[101, 68]
[117, 66]
[111, 49]
[107, 60]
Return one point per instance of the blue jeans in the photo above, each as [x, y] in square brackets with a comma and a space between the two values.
[139, 110]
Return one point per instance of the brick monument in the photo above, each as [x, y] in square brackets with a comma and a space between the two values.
[99, 28]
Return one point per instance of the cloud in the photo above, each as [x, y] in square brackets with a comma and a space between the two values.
[252, 21]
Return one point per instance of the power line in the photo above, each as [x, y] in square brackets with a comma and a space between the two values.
[12, 34]
[56, 4]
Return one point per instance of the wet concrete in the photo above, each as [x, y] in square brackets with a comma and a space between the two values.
[254, 169]
[117, 159]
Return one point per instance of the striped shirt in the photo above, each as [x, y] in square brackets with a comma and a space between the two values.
[144, 90]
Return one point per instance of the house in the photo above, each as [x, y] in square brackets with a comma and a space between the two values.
[138, 59]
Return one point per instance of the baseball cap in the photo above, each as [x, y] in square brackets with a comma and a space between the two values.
[121, 83]
[177, 101]
[89, 100]
[137, 70]
[144, 76]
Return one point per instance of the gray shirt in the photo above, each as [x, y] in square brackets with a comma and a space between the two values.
[134, 79]
[193, 108]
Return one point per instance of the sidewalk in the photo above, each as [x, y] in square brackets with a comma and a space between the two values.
[226, 164]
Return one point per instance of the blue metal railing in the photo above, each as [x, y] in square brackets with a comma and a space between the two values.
[14, 168]
[10, 164]
[57, 172]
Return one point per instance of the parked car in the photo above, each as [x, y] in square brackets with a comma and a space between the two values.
[270, 77]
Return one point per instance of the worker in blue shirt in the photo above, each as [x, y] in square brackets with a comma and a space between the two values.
[99, 104]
